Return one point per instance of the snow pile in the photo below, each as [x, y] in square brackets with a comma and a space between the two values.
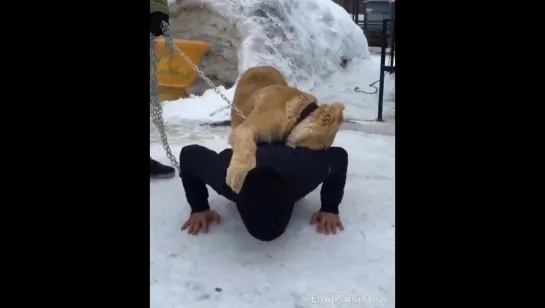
[314, 43]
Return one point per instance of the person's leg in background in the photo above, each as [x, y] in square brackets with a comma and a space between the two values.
[265, 204]
[160, 171]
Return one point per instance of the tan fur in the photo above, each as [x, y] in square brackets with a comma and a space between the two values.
[272, 109]
[252, 80]
[319, 129]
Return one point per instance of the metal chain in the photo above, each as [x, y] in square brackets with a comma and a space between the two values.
[156, 111]
[172, 45]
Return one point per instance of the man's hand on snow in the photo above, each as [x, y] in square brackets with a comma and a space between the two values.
[326, 223]
[200, 221]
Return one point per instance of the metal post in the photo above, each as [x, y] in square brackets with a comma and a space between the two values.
[364, 18]
[354, 12]
[392, 46]
[393, 42]
[357, 9]
[382, 62]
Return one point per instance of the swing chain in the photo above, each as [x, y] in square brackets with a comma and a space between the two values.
[156, 111]
[172, 45]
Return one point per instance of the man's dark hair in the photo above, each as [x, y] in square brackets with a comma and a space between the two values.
[265, 203]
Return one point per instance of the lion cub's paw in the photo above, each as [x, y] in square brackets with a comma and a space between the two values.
[237, 172]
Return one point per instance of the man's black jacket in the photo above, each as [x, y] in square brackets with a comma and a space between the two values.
[305, 169]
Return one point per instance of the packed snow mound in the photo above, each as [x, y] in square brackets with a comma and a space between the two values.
[314, 43]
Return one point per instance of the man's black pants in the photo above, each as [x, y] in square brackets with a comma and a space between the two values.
[200, 166]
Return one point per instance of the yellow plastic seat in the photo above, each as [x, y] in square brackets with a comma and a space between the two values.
[175, 75]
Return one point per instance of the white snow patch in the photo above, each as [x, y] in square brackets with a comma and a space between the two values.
[198, 108]
[359, 262]
[305, 39]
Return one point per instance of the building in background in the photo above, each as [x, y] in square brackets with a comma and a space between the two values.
[369, 14]
[374, 12]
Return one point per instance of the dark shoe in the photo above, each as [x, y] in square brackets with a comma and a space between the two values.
[160, 171]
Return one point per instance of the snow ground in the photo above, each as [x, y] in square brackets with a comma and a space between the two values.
[300, 269]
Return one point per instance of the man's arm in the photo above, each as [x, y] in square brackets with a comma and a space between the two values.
[333, 187]
[200, 166]
[160, 6]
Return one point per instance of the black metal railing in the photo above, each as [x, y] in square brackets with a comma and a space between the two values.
[355, 11]
[380, 34]
[374, 32]
[386, 41]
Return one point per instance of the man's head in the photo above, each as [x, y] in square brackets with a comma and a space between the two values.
[265, 203]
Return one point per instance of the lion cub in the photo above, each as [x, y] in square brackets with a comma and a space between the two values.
[273, 112]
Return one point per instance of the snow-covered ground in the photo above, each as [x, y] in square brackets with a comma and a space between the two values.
[306, 40]
[228, 268]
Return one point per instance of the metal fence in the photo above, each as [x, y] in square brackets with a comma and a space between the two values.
[371, 28]
[375, 33]
[387, 40]
[379, 34]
